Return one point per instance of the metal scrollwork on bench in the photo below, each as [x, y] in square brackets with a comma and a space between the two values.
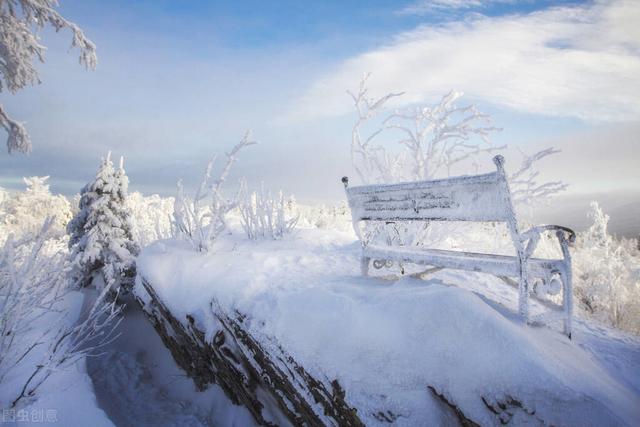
[550, 285]
[381, 263]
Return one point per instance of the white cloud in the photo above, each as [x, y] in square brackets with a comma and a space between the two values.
[423, 7]
[580, 61]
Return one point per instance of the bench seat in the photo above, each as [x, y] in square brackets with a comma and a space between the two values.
[499, 265]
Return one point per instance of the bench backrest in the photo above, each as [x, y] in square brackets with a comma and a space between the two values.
[465, 198]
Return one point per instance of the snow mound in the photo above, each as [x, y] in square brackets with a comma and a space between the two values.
[393, 345]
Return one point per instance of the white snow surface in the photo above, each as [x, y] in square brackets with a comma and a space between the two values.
[386, 340]
[70, 395]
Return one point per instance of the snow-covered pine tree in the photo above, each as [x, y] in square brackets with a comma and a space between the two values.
[101, 240]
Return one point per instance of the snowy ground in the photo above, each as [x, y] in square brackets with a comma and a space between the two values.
[384, 339]
[67, 397]
[387, 340]
[132, 382]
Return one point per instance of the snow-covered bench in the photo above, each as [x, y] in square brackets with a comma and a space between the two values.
[465, 198]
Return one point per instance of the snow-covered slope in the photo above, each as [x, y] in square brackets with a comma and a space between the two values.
[394, 344]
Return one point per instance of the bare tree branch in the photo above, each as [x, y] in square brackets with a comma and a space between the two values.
[20, 21]
[198, 223]
[526, 190]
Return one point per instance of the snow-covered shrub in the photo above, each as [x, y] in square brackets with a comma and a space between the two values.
[30, 283]
[607, 285]
[24, 212]
[101, 236]
[337, 217]
[292, 204]
[323, 217]
[40, 332]
[151, 217]
[201, 219]
[4, 195]
[264, 216]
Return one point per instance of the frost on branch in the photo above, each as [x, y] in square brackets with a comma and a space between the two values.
[30, 285]
[264, 216]
[18, 139]
[607, 285]
[433, 139]
[34, 291]
[525, 188]
[101, 236]
[437, 138]
[372, 162]
[152, 217]
[201, 219]
[20, 24]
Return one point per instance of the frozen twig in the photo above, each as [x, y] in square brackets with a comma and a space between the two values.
[263, 216]
[201, 223]
[20, 23]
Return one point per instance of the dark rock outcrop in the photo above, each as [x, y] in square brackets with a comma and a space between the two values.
[268, 382]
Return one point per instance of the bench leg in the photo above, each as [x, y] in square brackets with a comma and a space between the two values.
[523, 300]
[364, 265]
[523, 289]
[567, 300]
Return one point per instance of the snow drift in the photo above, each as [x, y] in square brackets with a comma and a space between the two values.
[411, 352]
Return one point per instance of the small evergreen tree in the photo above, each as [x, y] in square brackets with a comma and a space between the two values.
[101, 240]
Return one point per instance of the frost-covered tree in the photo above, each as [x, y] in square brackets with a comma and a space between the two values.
[4, 195]
[372, 162]
[24, 212]
[607, 284]
[152, 217]
[201, 219]
[292, 204]
[264, 216]
[101, 239]
[20, 46]
[439, 137]
[433, 140]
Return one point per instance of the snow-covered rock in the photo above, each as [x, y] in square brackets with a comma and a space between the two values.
[411, 352]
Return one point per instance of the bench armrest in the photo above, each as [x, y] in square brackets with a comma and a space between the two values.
[569, 234]
[565, 235]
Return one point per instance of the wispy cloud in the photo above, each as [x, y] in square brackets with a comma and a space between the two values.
[423, 7]
[579, 61]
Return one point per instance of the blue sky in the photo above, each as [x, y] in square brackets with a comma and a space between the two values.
[178, 81]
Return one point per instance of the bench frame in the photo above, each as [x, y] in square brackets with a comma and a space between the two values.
[476, 198]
